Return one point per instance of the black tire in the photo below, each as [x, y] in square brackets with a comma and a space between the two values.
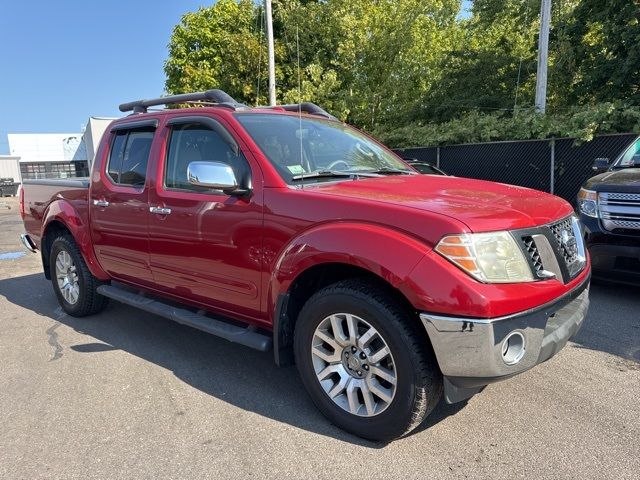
[419, 381]
[89, 300]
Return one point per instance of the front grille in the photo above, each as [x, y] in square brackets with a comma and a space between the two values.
[619, 211]
[554, 250]
[534, 255]
[563, 232]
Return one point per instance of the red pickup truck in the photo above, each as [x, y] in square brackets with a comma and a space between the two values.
[282, 228]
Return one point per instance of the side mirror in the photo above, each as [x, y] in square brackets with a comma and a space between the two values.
[600, 164]
[214, 175]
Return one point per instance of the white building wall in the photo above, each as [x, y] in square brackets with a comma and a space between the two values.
[9, 168]
[47, 147]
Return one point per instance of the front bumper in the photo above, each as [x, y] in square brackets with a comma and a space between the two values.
[470, 350]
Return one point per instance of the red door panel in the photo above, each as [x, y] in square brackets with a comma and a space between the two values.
[119, 209]
[207, 249]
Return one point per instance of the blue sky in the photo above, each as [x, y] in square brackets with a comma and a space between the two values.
[61, 61]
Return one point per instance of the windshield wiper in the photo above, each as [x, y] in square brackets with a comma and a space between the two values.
[323, 174]
[390, 171]
[349, 173]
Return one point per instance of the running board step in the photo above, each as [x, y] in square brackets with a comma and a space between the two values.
[247, 336]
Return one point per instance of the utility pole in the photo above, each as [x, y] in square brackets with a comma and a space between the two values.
[272, 62]
[543, 56]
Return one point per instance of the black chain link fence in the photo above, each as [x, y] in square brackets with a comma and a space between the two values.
[558, 166]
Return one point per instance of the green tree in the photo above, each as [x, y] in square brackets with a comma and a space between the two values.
[599, 44]
[366, 61]
[412, 69]
[216, 47]
[492, 63]
[384, 54]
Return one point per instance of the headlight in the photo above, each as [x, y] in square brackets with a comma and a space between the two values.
[588, 202]
[489, 257]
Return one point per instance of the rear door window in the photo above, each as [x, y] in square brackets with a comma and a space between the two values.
[129, 156]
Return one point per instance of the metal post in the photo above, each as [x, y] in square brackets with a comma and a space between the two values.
[438, 157]
[272, 62]
[543, 56]
[552, 180]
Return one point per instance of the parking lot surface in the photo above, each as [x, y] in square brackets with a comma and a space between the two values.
[124, 394]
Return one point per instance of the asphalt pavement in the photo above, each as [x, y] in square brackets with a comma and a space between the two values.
[127, 395]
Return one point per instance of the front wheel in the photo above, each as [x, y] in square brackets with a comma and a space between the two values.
[73, 283]
[365, 362]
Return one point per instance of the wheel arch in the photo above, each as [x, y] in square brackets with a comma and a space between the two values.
[62, 218]
[326, 255]
[53, 230]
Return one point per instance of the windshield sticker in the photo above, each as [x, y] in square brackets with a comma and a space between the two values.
[296, 169]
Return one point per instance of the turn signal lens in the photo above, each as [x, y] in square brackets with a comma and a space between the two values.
[488, 257]
[588, 202]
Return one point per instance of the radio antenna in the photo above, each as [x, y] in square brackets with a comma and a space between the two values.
[300, 105]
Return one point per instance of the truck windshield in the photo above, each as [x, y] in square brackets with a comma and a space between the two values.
[325, 150]
[630, 158]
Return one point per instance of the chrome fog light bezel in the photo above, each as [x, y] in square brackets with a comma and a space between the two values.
[513, 348]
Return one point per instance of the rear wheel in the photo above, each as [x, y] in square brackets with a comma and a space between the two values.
[364, 362]
[72, 281]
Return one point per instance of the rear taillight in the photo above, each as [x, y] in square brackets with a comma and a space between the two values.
[21, 197]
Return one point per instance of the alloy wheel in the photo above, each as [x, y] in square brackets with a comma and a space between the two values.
[67, 277]
[354, 364]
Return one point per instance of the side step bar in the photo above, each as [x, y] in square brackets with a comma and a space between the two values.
[247, 336]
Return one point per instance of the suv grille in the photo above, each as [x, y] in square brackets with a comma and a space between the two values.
[619, 210]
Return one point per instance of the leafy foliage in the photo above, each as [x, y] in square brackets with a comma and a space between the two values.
[582, 123]
[603, 49]
[415, 72]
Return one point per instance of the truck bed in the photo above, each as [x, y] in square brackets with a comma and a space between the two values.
[41, 195]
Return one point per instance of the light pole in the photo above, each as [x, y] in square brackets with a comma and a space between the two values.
[543, 56]
[272, 63]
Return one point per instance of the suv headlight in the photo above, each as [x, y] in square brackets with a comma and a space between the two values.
[488, 257]
[588, 202]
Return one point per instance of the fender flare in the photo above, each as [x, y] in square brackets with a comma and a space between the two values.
[63, 212]
[387, 253]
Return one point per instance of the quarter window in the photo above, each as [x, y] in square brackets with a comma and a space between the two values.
[129, 156]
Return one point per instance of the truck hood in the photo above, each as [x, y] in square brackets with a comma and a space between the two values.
[624, 180]
[483, 206]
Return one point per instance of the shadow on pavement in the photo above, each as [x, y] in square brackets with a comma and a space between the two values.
[235, 374]
[250, 380]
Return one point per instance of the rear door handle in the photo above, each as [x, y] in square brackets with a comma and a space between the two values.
[101, 203]
[160, 210]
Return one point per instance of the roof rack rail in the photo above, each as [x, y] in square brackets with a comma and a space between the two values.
[214, 96]
[305, 107]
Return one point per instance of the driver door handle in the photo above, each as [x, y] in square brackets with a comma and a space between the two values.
[101, 203]
[160, 210]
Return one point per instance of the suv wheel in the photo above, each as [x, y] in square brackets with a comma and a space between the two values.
[73, 283]
[364, 361]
